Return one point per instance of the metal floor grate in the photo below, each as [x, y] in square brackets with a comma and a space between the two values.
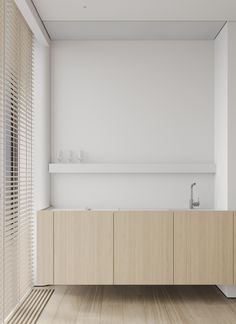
[32, 307]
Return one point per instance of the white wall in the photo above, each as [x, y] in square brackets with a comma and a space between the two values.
[232, 116]
[225, 118]
[140, 101]
[42, 111]
[221, 119]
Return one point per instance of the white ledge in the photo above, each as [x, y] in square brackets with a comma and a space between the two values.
[131, 168]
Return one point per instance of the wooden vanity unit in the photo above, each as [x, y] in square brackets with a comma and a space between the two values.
[136, 247]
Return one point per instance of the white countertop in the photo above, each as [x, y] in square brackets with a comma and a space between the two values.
[129, 209]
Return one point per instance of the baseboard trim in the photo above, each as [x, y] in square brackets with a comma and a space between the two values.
[228, 291]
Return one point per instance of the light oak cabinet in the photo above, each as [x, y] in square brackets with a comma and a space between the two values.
[203, 248]
[235, 248]
[189, 247]
[83, 248]
[143, 248]
[44, 248]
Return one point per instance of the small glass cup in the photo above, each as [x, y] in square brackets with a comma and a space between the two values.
[60, 156]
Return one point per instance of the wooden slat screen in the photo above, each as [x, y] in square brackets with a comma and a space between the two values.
[15, 158]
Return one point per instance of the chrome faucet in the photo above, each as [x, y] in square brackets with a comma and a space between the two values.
[192, 203]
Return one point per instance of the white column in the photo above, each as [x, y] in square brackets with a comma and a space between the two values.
[221, 119]
[225, 121]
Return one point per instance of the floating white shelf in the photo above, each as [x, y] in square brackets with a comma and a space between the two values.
[131, 168]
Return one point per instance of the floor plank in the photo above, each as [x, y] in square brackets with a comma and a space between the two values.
[139, 305]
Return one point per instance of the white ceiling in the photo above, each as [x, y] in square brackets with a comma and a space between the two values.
[136, 9]
[135, 19]
[108, 30]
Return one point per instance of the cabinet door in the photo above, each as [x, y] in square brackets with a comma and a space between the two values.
[44, 248]
[203, 247]
[83, 248]
[143, 248]
[235, 248]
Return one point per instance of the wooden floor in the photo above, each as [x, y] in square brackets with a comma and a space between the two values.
[139, 304]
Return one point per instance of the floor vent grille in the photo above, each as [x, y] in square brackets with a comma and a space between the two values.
[32, 307]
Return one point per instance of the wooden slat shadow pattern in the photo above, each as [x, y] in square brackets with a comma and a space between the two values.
[32, 307]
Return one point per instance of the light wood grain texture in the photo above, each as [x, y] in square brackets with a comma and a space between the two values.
[203, 248]
[139, 305]
[143, 247]
[83, 247]
[44, 248]
[235, 248]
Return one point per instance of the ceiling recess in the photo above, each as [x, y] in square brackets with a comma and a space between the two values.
[78, 30]
[135, 19]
